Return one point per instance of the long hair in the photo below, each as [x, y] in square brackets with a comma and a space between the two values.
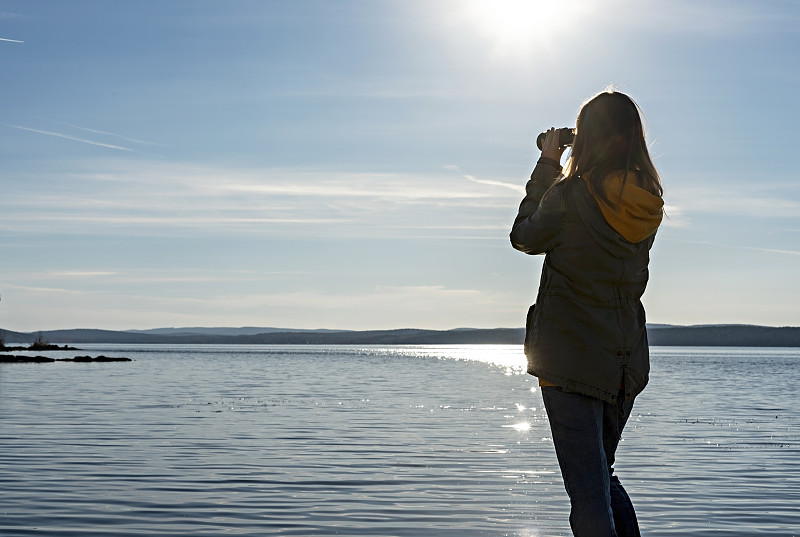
[609, 138]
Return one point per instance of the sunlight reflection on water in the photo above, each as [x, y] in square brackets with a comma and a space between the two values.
[508, 357]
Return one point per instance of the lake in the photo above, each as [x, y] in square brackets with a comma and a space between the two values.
[382, 441]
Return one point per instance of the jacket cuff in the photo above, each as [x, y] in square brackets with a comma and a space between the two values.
[549, 162]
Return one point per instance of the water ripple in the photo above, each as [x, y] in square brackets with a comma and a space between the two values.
[385, 441]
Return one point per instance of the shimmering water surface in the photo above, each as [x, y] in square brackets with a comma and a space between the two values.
[380, 441]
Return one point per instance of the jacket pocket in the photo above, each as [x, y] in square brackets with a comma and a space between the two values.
[528, 346]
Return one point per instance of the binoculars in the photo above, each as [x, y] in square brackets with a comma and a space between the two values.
[566, 135]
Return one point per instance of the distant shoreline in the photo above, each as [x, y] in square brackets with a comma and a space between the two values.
[658, 335]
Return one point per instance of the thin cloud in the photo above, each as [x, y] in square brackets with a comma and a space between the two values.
[406, 188]
[674, 216]
[515, 188]
[65, 136]
[81, 274]
[169, 220]
[10, 40]
[224, 185]
[48, 290]
[465, 227]
[743, 201]
[106, 133]
[775, 251]
[519, 189]
[156, 276]
[737, 246]
[236, 277]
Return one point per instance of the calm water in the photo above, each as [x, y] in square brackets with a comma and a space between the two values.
[380, 441]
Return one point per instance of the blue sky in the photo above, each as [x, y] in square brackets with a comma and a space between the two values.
[356, 164]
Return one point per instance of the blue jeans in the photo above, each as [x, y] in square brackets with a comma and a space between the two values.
[586, 432]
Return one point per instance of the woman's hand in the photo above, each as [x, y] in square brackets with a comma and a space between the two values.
[550, 147]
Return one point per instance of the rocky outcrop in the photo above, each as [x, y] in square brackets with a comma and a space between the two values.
[100, 358]
[39, 347]
[16, 359]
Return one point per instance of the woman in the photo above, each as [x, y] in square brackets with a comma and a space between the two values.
[585, 337]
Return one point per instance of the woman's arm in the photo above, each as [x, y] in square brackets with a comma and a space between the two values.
[537, 224]
[539, 218]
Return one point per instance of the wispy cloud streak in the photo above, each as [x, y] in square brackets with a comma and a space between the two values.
[106, 133]
[736, 246]
[515, 188]
[74, 138]
[10, 40]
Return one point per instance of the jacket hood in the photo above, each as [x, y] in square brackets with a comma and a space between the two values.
[637, 212]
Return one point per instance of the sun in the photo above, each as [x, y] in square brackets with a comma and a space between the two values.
[520, 27]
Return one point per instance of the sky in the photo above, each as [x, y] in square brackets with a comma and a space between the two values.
[357, 164]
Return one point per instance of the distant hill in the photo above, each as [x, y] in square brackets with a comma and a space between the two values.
[223, 331]
[293, 337]
[81, 335]
[659, 335]
[731, 335]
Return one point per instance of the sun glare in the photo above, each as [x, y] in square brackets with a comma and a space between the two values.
[522, 426]
[520, 27]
